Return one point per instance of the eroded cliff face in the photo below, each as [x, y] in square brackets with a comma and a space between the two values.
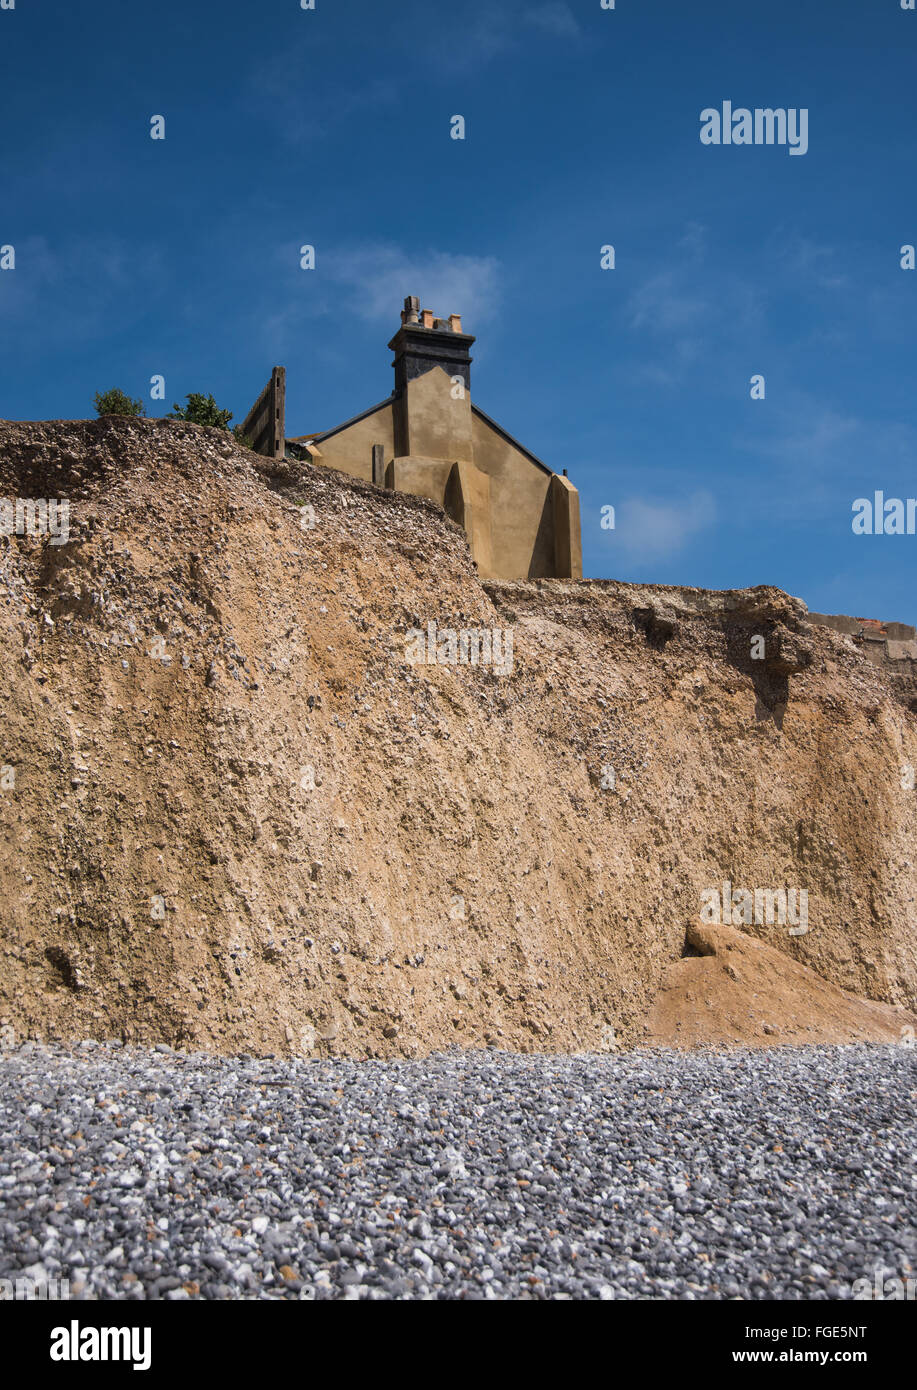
[236, 816]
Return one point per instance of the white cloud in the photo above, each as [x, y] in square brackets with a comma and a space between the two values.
[308, 114]
[660, 305]
[813, 263]
[89, 278]
[694, 240]
[811, 435]
[647, 529]
[555, 17]
[813, 453]
[686, 317]
[491, 31]
[377, 278]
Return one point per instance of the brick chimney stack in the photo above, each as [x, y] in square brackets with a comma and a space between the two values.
[423, 342]
[432, 416]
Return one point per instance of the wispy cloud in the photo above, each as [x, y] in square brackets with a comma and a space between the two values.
[305, 113]
[808, 434]
[666, 307]
[371, 281]
[376, 279]
[98, 285]
[494, 30]
[662, 305]
[817, 458]
[647, 529]
[554, 17]
[806, 262]
[694, 240]
[690, 310]
[423, 44]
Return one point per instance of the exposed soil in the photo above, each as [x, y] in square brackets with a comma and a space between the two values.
[738, 989]
[236, 817]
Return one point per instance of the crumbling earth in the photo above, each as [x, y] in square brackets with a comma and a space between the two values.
[235, 816]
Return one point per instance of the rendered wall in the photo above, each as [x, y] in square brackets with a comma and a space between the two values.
[430, 423]
[522, 521]
[422, 477]
[568, 546]
[350, 450]
[467, 501]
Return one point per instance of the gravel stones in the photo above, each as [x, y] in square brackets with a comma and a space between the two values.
[136, 1173]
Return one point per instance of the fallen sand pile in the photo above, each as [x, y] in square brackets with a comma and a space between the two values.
[734, 987]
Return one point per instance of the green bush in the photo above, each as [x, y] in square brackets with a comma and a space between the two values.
[202, 410]
[116, 403]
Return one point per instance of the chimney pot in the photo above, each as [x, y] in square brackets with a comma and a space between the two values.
[418, 353]
[455, 323]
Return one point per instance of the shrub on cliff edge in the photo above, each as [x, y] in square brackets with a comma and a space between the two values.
[202, 410]
[116, 403]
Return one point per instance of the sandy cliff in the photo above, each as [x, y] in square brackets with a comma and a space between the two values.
[235, 815]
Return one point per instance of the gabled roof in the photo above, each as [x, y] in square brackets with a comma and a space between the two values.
[476, 410]
[326, 434]
[505, 434]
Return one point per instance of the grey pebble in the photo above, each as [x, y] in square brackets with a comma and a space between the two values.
[783, 1173]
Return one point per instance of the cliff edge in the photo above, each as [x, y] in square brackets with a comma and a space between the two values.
[240, 811]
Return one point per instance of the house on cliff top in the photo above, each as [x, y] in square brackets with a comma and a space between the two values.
[430, 439]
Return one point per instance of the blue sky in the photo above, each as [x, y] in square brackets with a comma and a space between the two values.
[331, 127]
